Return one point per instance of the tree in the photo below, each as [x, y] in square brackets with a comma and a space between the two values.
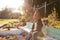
[5, 13]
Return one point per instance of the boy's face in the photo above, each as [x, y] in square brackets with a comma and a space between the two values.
[36, 16]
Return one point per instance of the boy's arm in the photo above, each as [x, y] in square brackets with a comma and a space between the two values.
[32, 30]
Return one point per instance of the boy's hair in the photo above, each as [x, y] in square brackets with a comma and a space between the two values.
[37, 14]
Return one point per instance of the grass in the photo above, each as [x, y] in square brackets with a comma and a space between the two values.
[4, 21]
[57, 25]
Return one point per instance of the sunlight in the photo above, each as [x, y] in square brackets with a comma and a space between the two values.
[18, 11]
[11, 3]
